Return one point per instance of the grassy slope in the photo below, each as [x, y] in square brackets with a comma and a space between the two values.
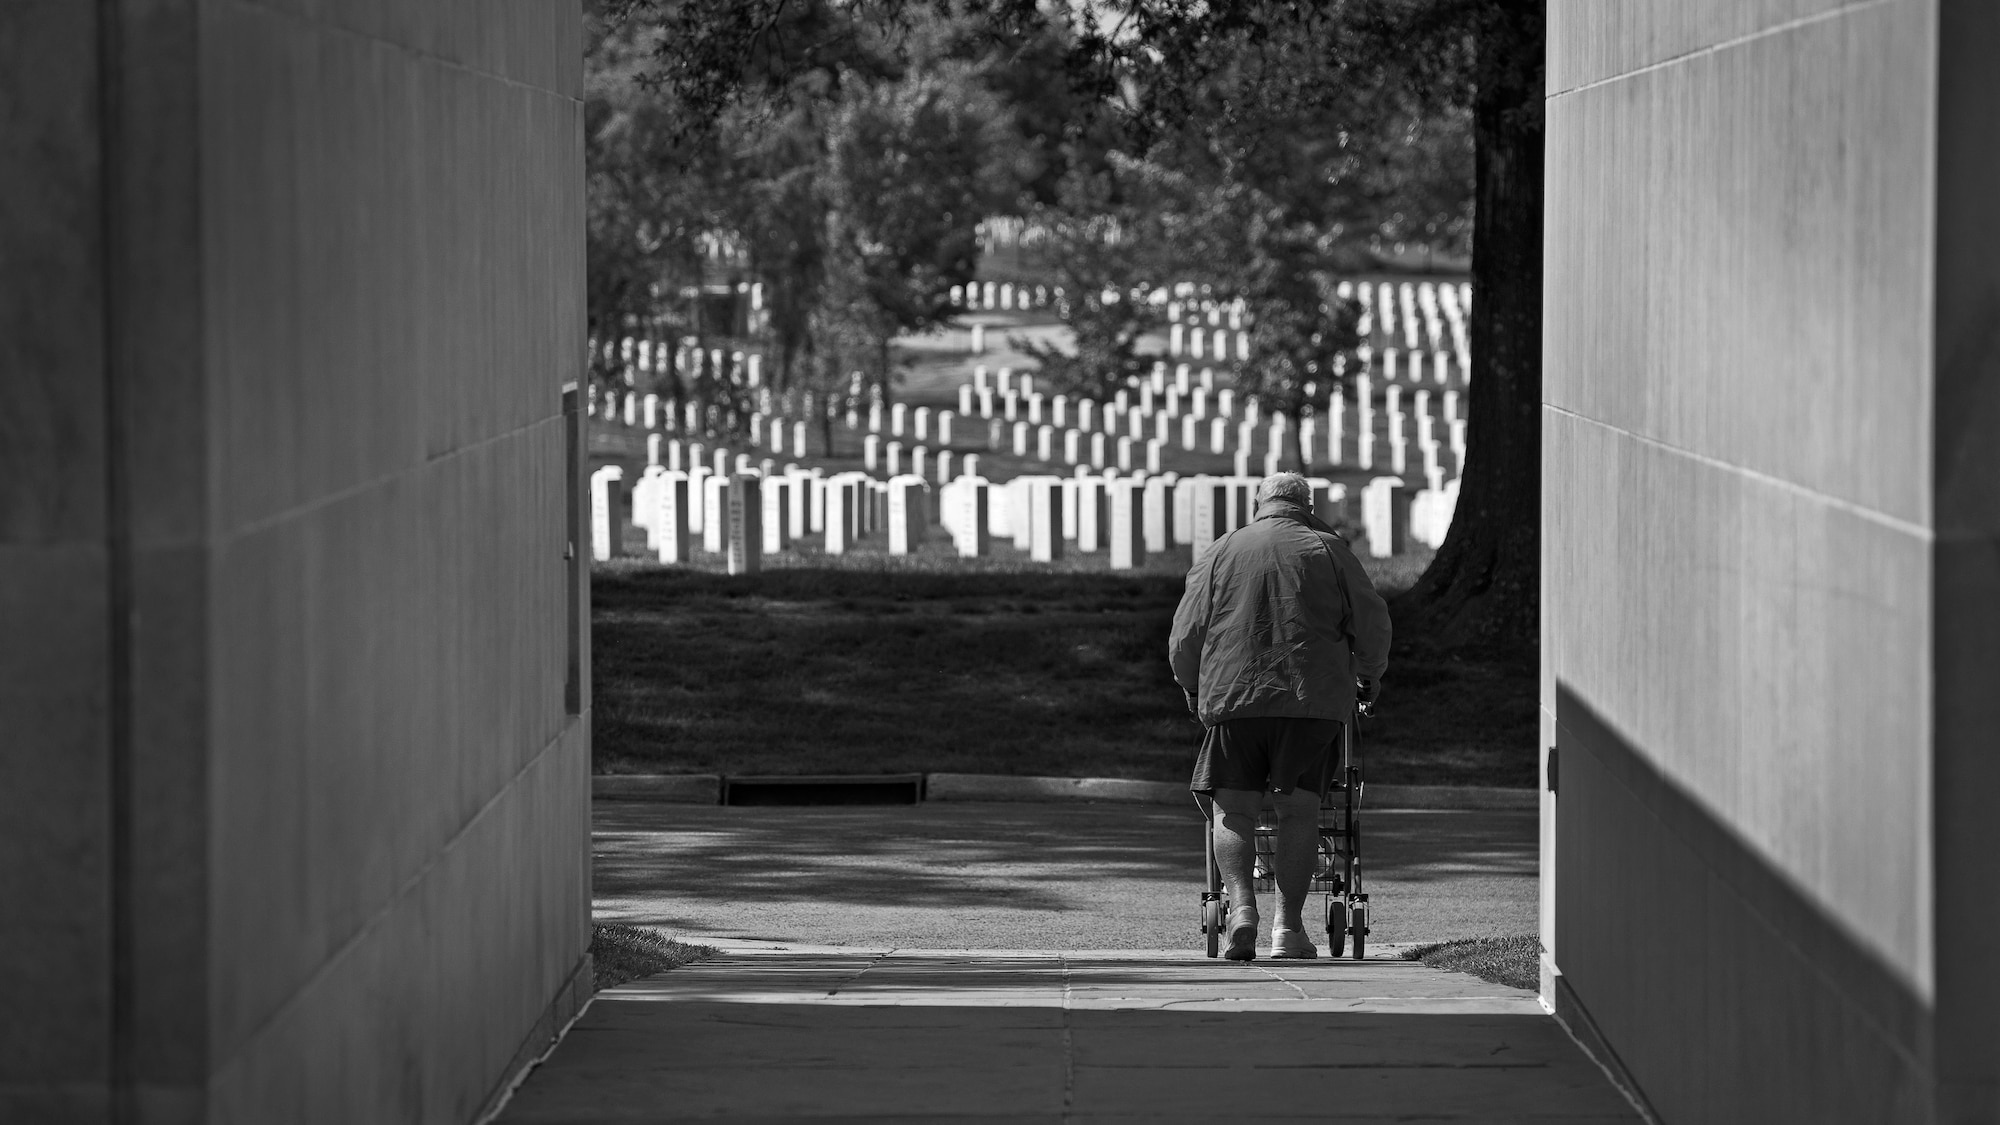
[866, 664]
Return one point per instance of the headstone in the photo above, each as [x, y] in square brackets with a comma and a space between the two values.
[1208, 512]
[774, 495]
[1020, 439]
[1019, 512]
[1010, 402]
[1086, 415]
[715, 513]
[1157, 507]
[798, 504]
[921, 419]
[653, 448]
[971, 527]
[669, 521]
[898, 414]
[697, 499]
[943, 465]
[839, 520]
[1153, 448]
[1125, 454]
[674, 452]
[971, 466]
[979, 377]
[649, 411]
[1034, 408]
[1385, 516]
[607, 513]
[870, 451]
[1045, 542]
[1004, 379]
[920, 462]
[1126, 541]
[906, 514]
[986, 404]
[1225, 402]
[1069, 490]
[894, 451]
[1218, 435]
[1059, 411]
[978, 339]
[799, 439]
[944, 421]
[1025, 383]
[1097, 451]
[1180, 525]
[1089, 513]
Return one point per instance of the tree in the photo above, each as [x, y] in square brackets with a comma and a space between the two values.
[1438, 65]
[912, 166]
[1099, 241]
[645, 209]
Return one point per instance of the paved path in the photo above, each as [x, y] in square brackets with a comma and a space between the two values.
[844, 1034]
[1045, 876]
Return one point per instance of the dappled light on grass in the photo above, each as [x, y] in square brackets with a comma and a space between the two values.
[1020, 671]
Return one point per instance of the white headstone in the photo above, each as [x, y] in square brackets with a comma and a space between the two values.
[607, 515]
[1127, 530]
[1045, 539]
[1157, 508]
[669, 522]
[715, 513]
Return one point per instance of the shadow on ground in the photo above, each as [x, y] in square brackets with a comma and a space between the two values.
[1059, 876]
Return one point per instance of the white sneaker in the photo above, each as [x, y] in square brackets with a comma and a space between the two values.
[1292, 945]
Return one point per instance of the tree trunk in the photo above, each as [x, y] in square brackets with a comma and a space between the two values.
[886, 344]
[1483, 589]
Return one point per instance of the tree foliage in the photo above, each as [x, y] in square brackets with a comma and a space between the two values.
[1297, 139]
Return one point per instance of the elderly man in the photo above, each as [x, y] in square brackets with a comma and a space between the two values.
[1277, 631]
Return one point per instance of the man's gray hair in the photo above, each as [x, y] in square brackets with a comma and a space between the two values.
[1285, 486]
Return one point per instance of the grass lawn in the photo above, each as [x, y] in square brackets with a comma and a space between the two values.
[1512, 961]
[622, 953]
[867, 664]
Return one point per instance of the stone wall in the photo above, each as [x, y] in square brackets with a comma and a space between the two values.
[296, 783]
[1746, 580]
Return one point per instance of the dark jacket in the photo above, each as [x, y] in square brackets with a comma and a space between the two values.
[1278, 618]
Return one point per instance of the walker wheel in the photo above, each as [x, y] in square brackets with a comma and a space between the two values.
[1358, 925]
[1336, 926]
[1211, 924]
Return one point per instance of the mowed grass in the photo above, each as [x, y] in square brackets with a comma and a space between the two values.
[1512, 961]
[870, 664]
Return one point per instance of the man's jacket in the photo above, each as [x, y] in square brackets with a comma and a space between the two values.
[1278, 618]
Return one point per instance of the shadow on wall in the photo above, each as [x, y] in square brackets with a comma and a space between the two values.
[1727, 993]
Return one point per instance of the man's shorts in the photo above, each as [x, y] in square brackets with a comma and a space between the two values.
[1269, 754]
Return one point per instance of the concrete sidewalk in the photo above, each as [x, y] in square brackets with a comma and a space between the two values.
[791, 1033]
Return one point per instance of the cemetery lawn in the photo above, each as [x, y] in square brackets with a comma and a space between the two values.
[865, 667]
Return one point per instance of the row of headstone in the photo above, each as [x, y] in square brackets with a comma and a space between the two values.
[1000, 295]
[1416, 316]
[748, 515]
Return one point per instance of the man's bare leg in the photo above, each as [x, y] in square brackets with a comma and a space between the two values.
[1296, 848]
[1234, 830]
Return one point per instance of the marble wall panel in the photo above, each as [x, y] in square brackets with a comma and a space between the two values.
[1753, 286]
